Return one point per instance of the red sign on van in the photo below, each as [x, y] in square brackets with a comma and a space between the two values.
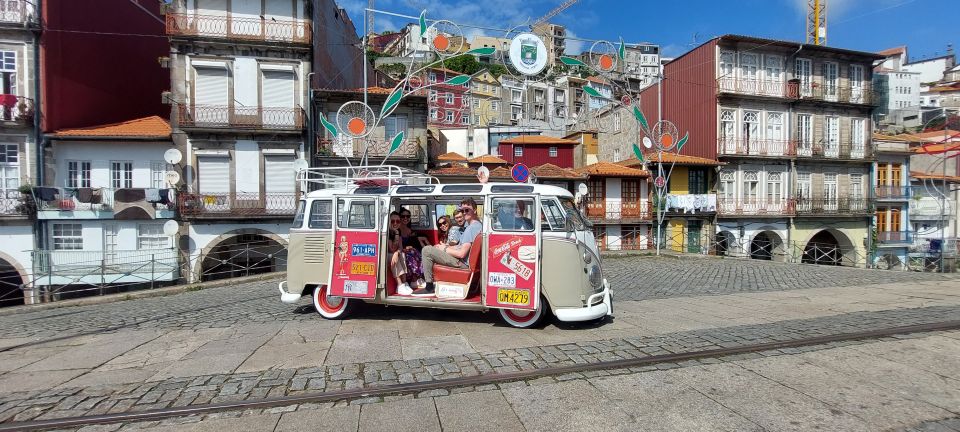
[512, 271]
[354, 264]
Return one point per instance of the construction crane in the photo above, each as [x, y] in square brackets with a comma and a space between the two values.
[370, 14]
[817, 22]
[552, 13]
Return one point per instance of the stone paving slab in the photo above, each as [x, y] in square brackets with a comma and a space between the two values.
[754, 394]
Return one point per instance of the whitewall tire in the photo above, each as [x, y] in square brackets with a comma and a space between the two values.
[330, 307]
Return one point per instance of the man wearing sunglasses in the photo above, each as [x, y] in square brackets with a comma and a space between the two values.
[451, 256]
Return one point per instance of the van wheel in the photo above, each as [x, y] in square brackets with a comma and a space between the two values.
[330, 307]
[524, 318]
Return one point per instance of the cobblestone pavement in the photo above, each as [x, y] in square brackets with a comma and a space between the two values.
[633, 278]
[67, 401]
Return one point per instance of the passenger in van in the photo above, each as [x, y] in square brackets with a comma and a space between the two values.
[404, 260]
[453, 237]
[410, 238]
[469, 202]
[443, 230]
[451, 256]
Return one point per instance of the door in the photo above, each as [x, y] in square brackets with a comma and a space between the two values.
[804, 186]
[214, 183]
[693, 236]
[356, 241]
[279, 183]
[804, 135]
[857, 138]
[803, 73]
[831, 78]
[881, 222]
[110, 232]
[279, 98]
[512, 252]
[596, 198]
[211, 96]
[830, 192]
[832, 145]
[856, 83]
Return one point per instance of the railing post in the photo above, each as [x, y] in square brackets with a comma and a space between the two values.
[153, 275]
[103, 269]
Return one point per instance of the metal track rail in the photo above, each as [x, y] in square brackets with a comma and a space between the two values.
[467, 381]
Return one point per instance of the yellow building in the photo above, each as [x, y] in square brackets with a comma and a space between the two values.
[587, 151]
[485, 100]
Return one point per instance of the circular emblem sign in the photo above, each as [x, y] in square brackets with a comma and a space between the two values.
[520, 173]
[660, 182]
[528, 54]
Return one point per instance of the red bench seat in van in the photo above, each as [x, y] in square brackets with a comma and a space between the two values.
[463, 276]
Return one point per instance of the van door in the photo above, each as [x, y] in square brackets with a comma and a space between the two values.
[356, 241]
[512, 274]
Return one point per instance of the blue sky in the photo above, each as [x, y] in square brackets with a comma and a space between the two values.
[925, 26]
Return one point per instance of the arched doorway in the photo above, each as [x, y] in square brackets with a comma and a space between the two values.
[11, 283]
[725, 243]
[244, 254]
[828, 247]
[761, 247]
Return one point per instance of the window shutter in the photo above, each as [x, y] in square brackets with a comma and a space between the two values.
[214, 175]
[212, 86]
[278, 89]
[279, 174]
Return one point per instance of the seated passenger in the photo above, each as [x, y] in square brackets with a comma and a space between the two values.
[404, 259]
[451, 256]
[453, 237]
[443, 229]
[523, 223]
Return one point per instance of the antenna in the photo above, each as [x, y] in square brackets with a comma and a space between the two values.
[817, 22]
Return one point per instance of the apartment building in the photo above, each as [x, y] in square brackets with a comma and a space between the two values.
[554, 37]
[18, 144]
[641, 63]
[533, 150]
[449, 103]
[486, 103]
[619, 206]
[791, 125]
[897, 90]
[893, 236]
[238, 82]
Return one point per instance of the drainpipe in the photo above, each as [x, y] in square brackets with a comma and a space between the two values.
[793, 170]
[38, 232]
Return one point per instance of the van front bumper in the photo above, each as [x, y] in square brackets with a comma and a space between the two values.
[288, 298]
[588, 313]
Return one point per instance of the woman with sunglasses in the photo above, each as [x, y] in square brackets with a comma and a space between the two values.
[407, 253]
[443, 229]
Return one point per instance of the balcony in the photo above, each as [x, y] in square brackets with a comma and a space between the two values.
[18, 12]
[227, 117]
[928, 208]
[755, 147]
[895, 238]
[14, 206]
[892, 192]
[691, 203]
[835, 150]
[221, 205]
[815, 89]
[16, 109]
[102, 203]
[237, 28]
[837, 206]
[618, 212]
[752, 87]
[347, 147]
[65, 267]
[755, 207]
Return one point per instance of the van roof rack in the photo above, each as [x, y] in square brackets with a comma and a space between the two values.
[364, 176]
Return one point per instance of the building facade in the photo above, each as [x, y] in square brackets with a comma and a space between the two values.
[619, 206]
[449, 103]
[485, 101]
[893, 236]
[533, 150]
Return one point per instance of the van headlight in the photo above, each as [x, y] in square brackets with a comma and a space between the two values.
[595, 276]
[587, 256]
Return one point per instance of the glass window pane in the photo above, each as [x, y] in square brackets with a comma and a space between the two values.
[321, 215]
[513, 214]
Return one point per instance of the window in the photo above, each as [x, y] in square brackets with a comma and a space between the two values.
[9, 171]
[158, 174]
[616, 122]
[516, 96]
[8, 78]
[856, 186]
[496, 91]
[121, 174]
[726, 64]
[773, 67]
[357, 213]
[553, 152]
[751, 126]
[830, 78]
[476, 119]
[495, 105]
[449, 116]
[151, 236]
[433, 77]
[449, 98]
[321, 215]
[464, 119]
[728, 131]
[857, 133]
[518, 151]
[774, 187]
[748, 66]
[751, 186]
[476, 103]
[513, 214]
[298, 216]
[433, 95]
[538, 95]
[774, 126]
[395, 124]
[554, 216]
[697, 181]
[67, 236]
[833, 137]
[516, 113]
[78, 174]
[434, 114]
[728, 180]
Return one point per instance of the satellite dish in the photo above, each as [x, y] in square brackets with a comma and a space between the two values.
[173, 177]
[647, 143]
[483, 174]
[300, 165]
[170, 227]
[582, 189]
[172, 156]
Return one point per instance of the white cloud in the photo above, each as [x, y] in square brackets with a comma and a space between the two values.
[574, 46]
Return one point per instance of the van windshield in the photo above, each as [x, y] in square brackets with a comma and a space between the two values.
[578, 220]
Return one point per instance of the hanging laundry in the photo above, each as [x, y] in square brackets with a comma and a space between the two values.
[45, 193]
[151, 195]
[85, 195]
[128, 195]
[96, 196]
[8, 100]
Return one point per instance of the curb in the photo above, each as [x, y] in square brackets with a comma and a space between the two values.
[157, 292]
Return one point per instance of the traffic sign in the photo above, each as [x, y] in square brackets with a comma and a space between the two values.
[520, 173]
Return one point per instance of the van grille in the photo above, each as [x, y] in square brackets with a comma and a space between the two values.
[315, 249]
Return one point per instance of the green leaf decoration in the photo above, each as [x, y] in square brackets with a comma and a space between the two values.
[395, 144]
[638, 152]
[593, 92]
[682, 141]
[328, 126]
[570, 61]
[640, 118]
[482, 51]
[458, 80]
[392, 101]
[623, 50]
[423, 23]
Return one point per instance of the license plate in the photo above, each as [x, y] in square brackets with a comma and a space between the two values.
[513, 297]
[362, 268]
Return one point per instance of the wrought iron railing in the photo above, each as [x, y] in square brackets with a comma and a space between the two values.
[755, 147]
[15, 108]
[345, 146]
[94, 199]
[14, 205]
[892, 192]
[832, 150]
[755, 207]
[17, 12]
[619, 211]
[242, 28]
[236, 204]
[811, 89]
[833, 206]
[753, 87]
[220, 116]
[105, 264]
[887, 237]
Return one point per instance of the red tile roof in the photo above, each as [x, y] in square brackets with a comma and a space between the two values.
[891, 51]
[673, 158]
[465, 171]
[487, 159]
[551, 171]
[147, 127]
[924, 176]
[452, 157]
[539, 140]
[608, 169]
[598, 80]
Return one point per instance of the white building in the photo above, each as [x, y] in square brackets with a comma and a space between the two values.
[898, 90]
[642, 63]
[931, 71]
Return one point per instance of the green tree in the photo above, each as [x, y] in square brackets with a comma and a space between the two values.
[464, 64]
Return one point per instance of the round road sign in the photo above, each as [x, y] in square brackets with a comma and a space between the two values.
[520, 173]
